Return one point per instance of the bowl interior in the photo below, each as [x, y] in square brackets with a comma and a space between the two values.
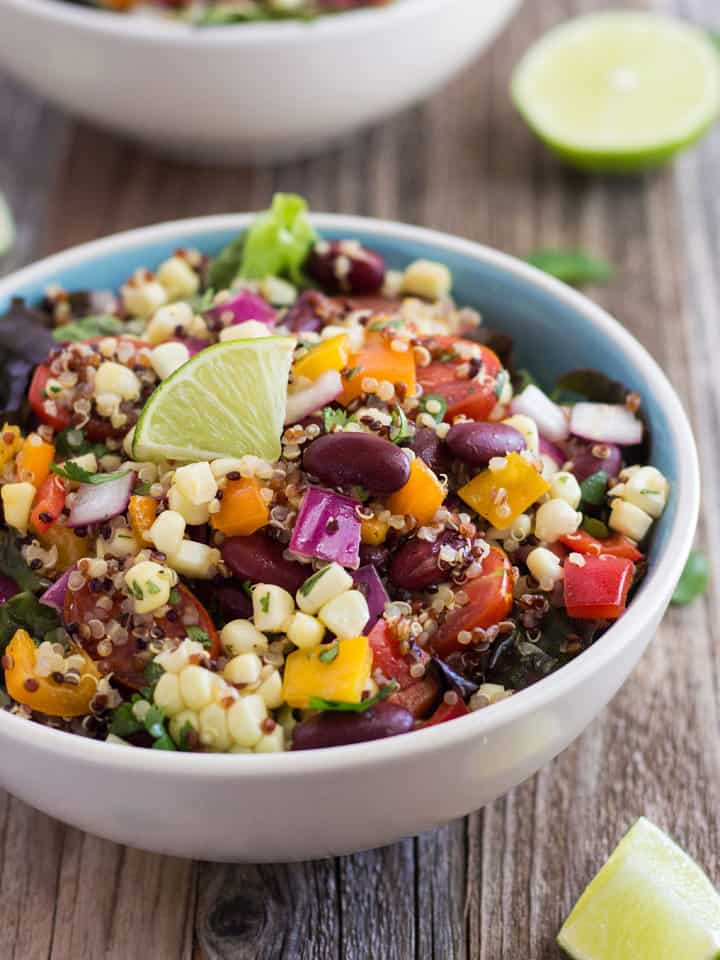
[552, 333]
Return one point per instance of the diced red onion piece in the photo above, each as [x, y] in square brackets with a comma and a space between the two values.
[549, 417]
[588, 457]
[96, 503]
[304, 402]
[244, 305]
[369, 583]
[194, 344]
[548, 449]
[328, 528]
[54, 596]
[8, 588]
[606, 423]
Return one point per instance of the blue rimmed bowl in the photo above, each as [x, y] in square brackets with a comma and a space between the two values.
[279, 807]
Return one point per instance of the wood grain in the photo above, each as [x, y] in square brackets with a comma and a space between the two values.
[498, 884]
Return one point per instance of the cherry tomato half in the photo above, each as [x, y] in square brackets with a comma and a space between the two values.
[128, 661]
[474, 398]
[418, 695]
[490, 598]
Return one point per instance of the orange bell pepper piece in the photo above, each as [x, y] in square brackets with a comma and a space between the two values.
[242, 508]
[421, 497]
[34, 459]
[331, 354]
[49, 502]
[142, 512]
[336, 671]
[70, 547]
[374, 531]
[378, 361]
[43, 693]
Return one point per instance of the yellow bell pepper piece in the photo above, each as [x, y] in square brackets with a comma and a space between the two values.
[377, 361]
[70, 547]
[500, 496]
[333, 671]
[332, 354]
[421, 497]
[10, 443]
[374, 531]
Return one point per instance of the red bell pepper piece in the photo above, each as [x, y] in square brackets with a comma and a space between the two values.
[598, 589]
[49, 501]
[447, 711]
[615, 546]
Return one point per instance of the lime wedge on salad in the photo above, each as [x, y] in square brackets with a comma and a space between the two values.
[619, 90]
[227, 401]
[649, 902]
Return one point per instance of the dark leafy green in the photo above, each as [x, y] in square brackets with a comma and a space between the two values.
[589, 385]
[153, 671]
[596, 528]
[320, 703]
[13, 565]
[25, 341]
[104, 325]
[25, 612]
[73, 443]
[592, 488]
[226, 266]
[575, 267]
[694, 580]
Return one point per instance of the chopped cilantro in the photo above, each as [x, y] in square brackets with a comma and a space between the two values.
[71, 471]
[152, 587]
[308, 585]
[327, 656]
[124, 722]
[434, 399]
[596, 528]
[199, 635]
[350, 372]
[333, 418]
[247, 587]
[87, 327]
[153, 671]
[265, 602]
[174, 596]
[142, 490]
[501, 382]
[400, 427]
[593, 488]
[320, 703]
[137, 590]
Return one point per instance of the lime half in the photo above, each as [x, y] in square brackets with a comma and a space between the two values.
[227, 401]
[619, 90]
[649, 902]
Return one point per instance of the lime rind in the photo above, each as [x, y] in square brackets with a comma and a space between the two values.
[227, 401]
[650, 900]
[656, 127]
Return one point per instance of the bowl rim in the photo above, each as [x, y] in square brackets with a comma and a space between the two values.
[94, 21]
[478, 724]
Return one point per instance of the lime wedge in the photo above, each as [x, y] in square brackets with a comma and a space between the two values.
[228, 400]
[619, 90]
[649, 902]
[7, 227]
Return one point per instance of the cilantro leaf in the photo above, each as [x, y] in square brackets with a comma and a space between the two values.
[198, 635]
[320, 703]
[592, 488]
[101, 326]
[13, 565]
[71, 471]
[694, 580]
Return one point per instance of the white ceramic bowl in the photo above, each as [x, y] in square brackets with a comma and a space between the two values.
[245, 91]
[317, 803]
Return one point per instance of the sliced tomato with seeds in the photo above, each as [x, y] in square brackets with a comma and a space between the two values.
[97, 429]
[417, 694]
[475, 395]
[447, 711]
[127, 661]
[49, 502]
[489, 600]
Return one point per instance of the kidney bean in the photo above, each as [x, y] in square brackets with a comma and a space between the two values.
[311, 311]
[374, 555]
[234, 602]
[261, 560]
[357, 459]
[347, 266]
[334, 728]
[415, 565]
[429, 447]
[477, 443]
[588, 458]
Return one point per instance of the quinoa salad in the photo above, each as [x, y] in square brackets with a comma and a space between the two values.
[285, 497]
[219, 12]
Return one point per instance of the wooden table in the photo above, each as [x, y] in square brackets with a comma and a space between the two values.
[499, 883]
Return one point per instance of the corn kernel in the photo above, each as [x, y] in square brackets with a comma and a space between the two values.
[272, 607]
[272, 742]
[427, 279]
[528, 428]
[346, 615]
[243, 669]
[121, 544]
[196, 482]
[173, 661]
[142, 299]
[305, 631]
[545, 567]
[168, 357]
[192, 513]
[271, 690]
[178, 278]
[322, 586]
[196, 686]
[167, 694]
[196, 560]
[116, 379]
[564, 486]
[646, 489]
[167, 532]
[629, 520]
[555, 519]
[149, 584]
[167, 322]
[244, 720]
[213, 728]
[240, 636]
[179, 723]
